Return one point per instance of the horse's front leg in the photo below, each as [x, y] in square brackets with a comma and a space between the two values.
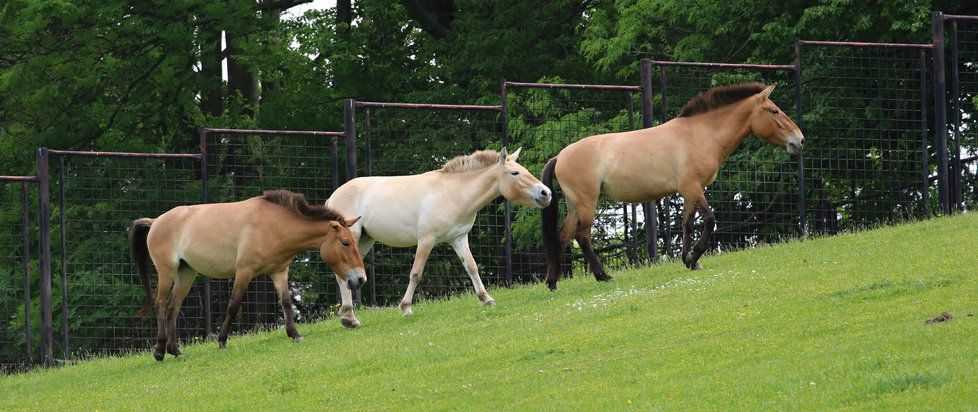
[346, 305]
[281, 281]
[241, 279]
[694, 201]
[709, 224]
[417, 270]
[461, 246]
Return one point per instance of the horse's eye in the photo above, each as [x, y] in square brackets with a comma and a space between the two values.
[345, 243]
[774, 111]
[514, 173]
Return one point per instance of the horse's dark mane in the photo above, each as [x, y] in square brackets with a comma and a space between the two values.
[296, 202]
[718, 97]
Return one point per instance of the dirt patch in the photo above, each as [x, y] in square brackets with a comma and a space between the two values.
[944, 317]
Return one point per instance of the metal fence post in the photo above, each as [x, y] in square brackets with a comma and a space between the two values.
[350, 131]
[667, 201]
[650, 208]
[64, 254]
[940, 113]
[44, 244]
[507, 213]
[925, 189]
[800, 110]
[25, 221]
[956, 190]
[205, 198]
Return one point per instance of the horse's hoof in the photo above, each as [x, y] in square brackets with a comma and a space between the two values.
[490, 302]
[604, 278]
[552, 286]
[158, 355]
[350, 323]
[222, 344]
[298, 339]
[174, 351]
[405, 308]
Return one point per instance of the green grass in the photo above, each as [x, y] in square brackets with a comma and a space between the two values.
[828, 323]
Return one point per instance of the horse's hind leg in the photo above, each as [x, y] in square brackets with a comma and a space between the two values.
[163, 287]
[181, 288]
[281, 281]
[241, 280]
[417, 270]
[461, 246]
[583, 236]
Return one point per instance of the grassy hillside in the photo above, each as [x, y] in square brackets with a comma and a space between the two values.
[829, 323]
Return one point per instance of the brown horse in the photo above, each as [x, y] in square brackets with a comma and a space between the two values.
[239, 240]
[682, 155]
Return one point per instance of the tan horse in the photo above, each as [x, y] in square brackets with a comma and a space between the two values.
[239, 240]
[682, 155]
[436, 207]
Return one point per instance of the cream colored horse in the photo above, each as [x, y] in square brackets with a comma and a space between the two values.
[239, 240]
[435, 207]
[682, 155]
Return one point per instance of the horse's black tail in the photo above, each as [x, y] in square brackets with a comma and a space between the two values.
[551, 241]
[140, 253]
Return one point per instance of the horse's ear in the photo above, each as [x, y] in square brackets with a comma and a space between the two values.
[503, 154]
[515, 155]
[764, 94]
[334, 224]
[352, 221]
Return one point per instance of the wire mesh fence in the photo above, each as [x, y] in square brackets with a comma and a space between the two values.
[242, 164]
[404, 140]
[17, 342]
[868, 160]
[96, 288]
[962, 62]
[543, 118]
[866, 153]
[755, 194]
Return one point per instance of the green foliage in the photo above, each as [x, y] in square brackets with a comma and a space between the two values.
[826, 324]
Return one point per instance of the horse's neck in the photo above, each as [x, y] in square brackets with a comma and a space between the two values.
[307, 234]
[474, 189]
[726, 128]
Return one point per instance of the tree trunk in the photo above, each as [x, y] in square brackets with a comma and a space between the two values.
[242, 80]
[212, 85]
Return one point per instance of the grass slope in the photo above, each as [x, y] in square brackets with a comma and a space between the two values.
[828, 323]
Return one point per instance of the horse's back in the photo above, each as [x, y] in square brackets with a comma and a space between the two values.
[205, 236]
[632, 166]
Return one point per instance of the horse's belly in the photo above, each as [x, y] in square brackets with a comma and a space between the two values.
[211, 265]
[392, 235]
[639, 189]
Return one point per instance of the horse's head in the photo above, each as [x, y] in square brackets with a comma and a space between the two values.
[771, 124]
[518, 184]
[342, 253]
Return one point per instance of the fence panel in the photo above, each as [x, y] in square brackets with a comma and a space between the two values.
[242, 164]
[405, 139]
[543, 118]
[963, 112]
[866, 151]
[96, 288]
[755, 195]
[17, 341]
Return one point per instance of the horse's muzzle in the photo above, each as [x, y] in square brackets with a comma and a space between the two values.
[356, 281]
[794, 146]
[542, 197]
